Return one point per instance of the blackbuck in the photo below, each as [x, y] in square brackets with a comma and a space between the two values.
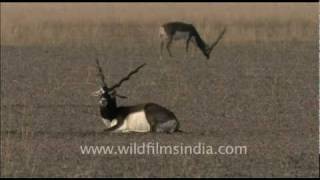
[148, 117]
[174, 31]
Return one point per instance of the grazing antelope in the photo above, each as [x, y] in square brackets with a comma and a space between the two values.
[149, 117]
[178, 30]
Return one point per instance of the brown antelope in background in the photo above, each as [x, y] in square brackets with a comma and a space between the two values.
[173, 31]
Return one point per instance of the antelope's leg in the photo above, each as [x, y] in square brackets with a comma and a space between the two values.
[168, 46]
[187, 47]
[187, 44]
[161, 48]
[114, 128]
[193, 49]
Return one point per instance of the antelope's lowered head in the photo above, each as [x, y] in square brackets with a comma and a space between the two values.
[209, 49]
[173, 31]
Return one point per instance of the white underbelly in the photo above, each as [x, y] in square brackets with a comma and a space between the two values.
[135, 122]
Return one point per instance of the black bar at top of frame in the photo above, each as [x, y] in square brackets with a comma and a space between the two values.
[227, 1]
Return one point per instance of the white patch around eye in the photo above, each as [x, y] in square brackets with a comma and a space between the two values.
[103, 101]
[99, 92]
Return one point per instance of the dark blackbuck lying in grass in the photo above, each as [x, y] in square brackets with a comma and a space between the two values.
[148, 117]
[172, 31]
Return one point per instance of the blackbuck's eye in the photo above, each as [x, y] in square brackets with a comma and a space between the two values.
[103, 101]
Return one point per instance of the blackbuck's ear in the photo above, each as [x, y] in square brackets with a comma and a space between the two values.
[112, 93]
[121, 96]
[115, 94]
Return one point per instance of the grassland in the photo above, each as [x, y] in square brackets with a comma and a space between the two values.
[259, 89]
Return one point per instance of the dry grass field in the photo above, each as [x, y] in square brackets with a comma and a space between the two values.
[258, 89]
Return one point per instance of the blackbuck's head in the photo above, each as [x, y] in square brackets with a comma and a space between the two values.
[108, 94]
[209, 49]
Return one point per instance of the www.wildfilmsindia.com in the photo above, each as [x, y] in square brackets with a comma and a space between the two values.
[151, 148]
